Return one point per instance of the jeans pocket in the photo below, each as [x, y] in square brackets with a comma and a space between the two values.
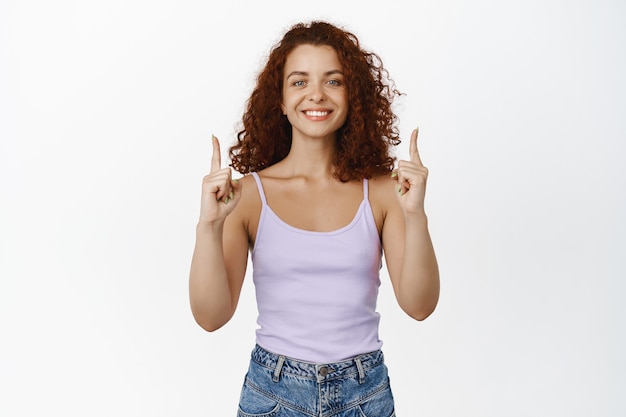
[379, 405]
[253, 403]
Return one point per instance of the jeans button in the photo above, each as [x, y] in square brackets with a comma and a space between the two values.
[323, 371]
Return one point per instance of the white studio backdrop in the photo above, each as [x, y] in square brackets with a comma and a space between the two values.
[107, 108]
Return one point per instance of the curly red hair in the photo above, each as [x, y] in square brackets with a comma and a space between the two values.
[363, 142]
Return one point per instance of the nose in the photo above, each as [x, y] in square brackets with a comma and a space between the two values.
[316, 94]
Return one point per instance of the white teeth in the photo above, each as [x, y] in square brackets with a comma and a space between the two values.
[316, 113]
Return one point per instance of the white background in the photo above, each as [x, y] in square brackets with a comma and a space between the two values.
[106, 112]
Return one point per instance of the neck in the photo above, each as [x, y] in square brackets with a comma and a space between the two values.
[311, 158]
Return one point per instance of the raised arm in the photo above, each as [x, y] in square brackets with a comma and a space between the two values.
[409, 251]
[220, 256]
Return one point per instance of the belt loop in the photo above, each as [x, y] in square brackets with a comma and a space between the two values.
[279, 366]
[359, 366]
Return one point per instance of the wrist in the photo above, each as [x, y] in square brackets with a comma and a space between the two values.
[418, 219]
[209, 226]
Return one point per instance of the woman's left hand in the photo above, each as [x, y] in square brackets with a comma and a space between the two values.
[411, 179]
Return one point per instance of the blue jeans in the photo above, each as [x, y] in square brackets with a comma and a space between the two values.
[277, 386]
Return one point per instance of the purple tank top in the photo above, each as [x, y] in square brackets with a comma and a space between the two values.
[316, 291]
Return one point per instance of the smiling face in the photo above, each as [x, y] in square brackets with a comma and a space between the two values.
[315, 99]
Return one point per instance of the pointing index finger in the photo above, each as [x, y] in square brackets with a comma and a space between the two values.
[216, 159]
[413, 152]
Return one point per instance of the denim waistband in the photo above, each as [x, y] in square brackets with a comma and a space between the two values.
[319, 371]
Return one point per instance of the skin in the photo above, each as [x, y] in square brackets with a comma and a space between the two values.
[302, 191]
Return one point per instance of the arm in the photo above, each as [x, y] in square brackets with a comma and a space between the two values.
[218, 265]
[409, 251]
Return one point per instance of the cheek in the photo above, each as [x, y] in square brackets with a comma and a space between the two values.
[283, 100]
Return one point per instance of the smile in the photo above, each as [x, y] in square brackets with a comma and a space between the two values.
[316, 113]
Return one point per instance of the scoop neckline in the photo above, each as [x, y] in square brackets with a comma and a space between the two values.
[355, 219]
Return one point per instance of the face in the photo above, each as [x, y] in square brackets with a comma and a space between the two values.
[314, 95]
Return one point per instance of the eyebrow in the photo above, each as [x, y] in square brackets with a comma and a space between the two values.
[304, 73]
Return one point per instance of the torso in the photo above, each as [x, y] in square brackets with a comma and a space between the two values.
[319, 206]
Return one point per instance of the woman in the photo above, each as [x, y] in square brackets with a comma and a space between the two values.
[321, 203]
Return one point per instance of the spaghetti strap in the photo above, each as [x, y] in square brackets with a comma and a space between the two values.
[365, 190]
[260, 187]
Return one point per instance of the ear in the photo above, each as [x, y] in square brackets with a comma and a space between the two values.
[283, 108]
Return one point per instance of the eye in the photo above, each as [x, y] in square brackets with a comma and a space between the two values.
[335, 83]
[298, 83]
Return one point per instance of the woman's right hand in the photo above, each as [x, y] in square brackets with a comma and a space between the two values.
[220, 193]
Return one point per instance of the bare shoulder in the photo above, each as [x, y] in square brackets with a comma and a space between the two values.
[249, 194]
[249, 207]
[383, 200]
[248, 186]
[382, 189]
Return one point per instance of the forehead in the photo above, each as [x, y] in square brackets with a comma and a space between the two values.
[310, 57]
